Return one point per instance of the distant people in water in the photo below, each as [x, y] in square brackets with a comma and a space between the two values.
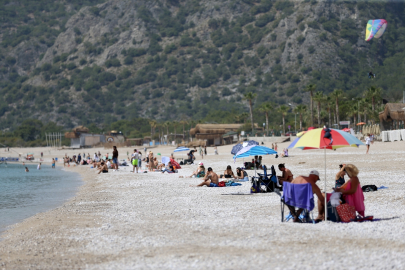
[26, 169]
[53, 163]
[39, 166]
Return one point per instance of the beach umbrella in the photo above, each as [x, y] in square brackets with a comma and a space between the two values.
[310, 128]
[360, 124]
[254, 150]
[315, 139]
[241, 145]
[346, 129]
[301, 133]
[182, 148]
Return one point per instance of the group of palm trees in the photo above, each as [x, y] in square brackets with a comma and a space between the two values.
[365, 105]
[162, 127]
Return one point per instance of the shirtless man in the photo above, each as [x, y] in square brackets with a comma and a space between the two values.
[311, 179]
[287, 174]
[209, 178]
[103, 168]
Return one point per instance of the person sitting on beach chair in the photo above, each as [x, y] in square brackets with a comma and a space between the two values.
[312, 178]
[210, 179]
[287, 174]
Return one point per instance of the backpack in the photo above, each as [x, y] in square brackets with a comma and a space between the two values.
[369, 188]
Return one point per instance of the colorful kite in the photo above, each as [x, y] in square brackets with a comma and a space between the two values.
[375, 28]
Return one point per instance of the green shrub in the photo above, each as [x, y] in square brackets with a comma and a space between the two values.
[128, 60]
[113, 62]
[311, 49]
[300, 39]
[71, 66]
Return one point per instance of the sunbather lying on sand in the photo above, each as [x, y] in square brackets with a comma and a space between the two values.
[209, 178]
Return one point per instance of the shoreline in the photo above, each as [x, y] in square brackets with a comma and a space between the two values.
[121, 220]
[50, 204]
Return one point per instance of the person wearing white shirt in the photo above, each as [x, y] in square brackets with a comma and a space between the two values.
[39, 166]
[367, 139]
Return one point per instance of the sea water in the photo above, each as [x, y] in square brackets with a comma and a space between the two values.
[24, 194]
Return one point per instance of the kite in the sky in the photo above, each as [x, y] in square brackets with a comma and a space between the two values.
[375, 28]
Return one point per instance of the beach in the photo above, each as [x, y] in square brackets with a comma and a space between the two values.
[122, 220]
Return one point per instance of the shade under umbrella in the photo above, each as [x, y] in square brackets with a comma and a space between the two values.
[241, 145]
[254, 150]
[179, 149]
[314, 139]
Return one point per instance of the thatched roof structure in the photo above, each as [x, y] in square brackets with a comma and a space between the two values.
[393, 111]
[80, 129]
[71, 135]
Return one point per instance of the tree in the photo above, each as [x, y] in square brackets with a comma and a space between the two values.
[336, 94]
[318, 98]
[311, 88]
[250, 97]
[167, 124]
[283, 109]
[329, 102]
[300, 109]
[153, 125]
[266, 108]
[183, 122]
[374, 93]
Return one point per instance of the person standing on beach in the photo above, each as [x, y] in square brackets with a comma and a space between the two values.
[139, 159]
[216, 150]
[205, 150]
[79, 158]
[275, 147]
[367, 139]
[151, 161]
[115, 157]
[53, 163]
[135, 160]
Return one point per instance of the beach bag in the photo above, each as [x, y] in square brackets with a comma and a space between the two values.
[181, 163]
[369, 188]
[255, 188]
[346, 212]
[221, 184]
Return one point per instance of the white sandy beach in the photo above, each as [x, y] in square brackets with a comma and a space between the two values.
[122, 220]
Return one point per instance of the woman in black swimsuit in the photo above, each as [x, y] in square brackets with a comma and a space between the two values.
[340, 177]
[228, 173]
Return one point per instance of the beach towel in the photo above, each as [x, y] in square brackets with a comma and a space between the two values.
[174, 163]
[298, 195]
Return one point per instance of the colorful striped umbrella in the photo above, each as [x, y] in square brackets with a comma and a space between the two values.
[314, 139]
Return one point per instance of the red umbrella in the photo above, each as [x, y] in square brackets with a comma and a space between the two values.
[346, 129]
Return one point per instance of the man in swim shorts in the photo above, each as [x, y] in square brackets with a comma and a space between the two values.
[135, 157]
[115, 158]
[287, 174]
[210, 178]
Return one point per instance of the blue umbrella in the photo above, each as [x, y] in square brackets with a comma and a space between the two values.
[179, 149]
[239, 146]
[254, 150]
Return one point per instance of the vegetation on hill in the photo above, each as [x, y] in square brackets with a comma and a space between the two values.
[193, 60]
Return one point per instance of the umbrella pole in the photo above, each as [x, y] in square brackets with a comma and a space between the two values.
[326, 205]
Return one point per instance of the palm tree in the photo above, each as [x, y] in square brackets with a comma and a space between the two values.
[266, 108]
[153, 125]
[354, 111]
[250, 97]
[183, 122]
[373, 93]
[283, 109]
[300, 109]
[318, 98]
[311, 88]
[364, 108]
[336, 94]
[243, 116]
[167, 125]
[328, 101]
[238, 118]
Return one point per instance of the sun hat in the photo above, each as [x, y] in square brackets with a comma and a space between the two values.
[315, 172]
[201, 164]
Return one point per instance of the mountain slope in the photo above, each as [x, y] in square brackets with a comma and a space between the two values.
[195, 59]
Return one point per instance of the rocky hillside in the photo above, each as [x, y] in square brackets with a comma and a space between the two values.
[101, 61]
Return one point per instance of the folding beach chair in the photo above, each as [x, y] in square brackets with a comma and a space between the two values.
[270, 181]
[300, 196]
